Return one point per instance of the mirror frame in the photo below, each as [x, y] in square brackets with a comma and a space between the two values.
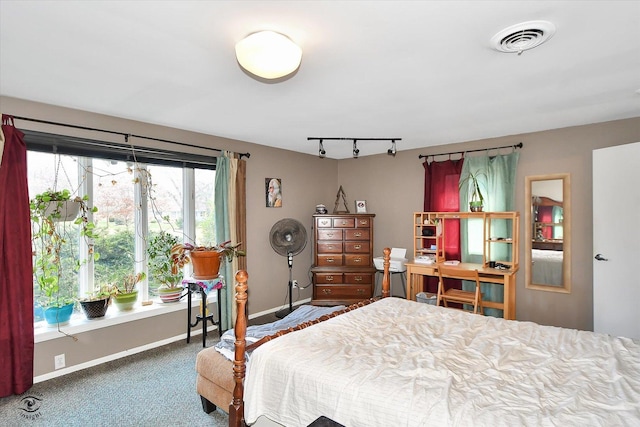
[566, 230]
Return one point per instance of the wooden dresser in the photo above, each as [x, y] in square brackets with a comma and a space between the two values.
[343, 270]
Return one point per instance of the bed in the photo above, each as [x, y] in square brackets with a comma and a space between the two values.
[403, 363]
[546, 268]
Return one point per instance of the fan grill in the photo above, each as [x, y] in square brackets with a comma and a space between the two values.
[288, 236]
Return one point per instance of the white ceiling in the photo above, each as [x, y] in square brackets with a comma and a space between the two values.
[422, 71]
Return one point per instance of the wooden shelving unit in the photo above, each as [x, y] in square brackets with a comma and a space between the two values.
[498, 228]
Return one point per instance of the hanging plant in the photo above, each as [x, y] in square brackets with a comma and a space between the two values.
[49, 236]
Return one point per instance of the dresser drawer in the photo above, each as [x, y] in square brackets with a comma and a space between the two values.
[329, 260]
[344, 222]
[329, 247]
[357, 260]
[363, 222]
[357, 292]
[356, 247]
[324, 222]
[328, 278]
[330, 234]
[357, 234]
[358, 278]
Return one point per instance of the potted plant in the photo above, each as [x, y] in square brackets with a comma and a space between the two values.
[55, 258]
[166, 268]
[476, 202]
[96, 303]
[125, 293]
[206, 260]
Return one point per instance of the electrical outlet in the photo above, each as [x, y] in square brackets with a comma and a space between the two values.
[58, 361]
[295, 283]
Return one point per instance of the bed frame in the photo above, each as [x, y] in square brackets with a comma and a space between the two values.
[236, 408]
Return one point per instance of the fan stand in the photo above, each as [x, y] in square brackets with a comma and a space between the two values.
[285, 311]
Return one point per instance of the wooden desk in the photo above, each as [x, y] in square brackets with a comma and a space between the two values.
[507, 278]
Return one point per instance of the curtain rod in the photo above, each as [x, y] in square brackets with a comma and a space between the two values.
[519, 145]
[125, 135]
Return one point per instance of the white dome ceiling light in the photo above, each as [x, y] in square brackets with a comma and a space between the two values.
[520, 37]
[268, 54]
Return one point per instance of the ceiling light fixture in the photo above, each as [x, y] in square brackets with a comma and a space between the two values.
[321, 153]
[268, 54]
[392, 151]
[356, 151]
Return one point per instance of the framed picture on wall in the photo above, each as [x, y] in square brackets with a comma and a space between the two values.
[361, 206]
[273, 191]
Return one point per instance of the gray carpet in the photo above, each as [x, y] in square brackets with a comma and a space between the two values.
[152, 388]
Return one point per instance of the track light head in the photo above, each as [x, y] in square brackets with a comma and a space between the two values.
[392, 151]
[355, 149]
[321, 152]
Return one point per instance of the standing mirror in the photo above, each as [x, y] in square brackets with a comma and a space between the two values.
[548, 232]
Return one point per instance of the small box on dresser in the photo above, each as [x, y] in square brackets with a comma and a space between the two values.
[343, 270]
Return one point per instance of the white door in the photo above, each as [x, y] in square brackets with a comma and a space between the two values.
[616, 240]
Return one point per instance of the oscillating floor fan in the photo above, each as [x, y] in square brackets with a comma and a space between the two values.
[288, 237]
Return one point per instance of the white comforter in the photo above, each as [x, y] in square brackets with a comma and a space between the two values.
[401, 363]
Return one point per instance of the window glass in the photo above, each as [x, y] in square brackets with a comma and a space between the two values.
[113, 190]
[205, 207]
[49, 172]
[165, 214]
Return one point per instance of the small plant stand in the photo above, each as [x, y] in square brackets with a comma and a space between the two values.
[202, 286]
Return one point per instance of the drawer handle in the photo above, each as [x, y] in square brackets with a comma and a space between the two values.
[357, 247]
[329, 234]
[330, 260]
[363, 222]
[326, 291]
[357, 234]
[344, 223]
[360, 291]
[329, 279]
[324, 223]
[357, 260]
[329, 246]
[358, 279]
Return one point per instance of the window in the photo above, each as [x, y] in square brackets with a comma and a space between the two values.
[125, 220]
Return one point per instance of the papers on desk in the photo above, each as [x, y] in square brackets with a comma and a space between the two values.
[424, 259]
[451, 262]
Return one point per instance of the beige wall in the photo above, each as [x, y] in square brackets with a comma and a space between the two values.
[393, 189]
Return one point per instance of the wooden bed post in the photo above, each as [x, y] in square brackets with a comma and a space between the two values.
[236, 408]
[386, 281]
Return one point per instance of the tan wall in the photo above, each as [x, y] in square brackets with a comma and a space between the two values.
[393, 190]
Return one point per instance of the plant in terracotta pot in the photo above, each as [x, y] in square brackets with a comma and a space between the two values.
[206, 260]
[57, 220]
[126, 294]
[471, 180]
[164, 267]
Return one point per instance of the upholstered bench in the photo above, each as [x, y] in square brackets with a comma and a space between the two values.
[214, 381]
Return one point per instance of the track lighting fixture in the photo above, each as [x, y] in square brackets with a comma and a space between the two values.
[356, 151]
[321, 153]
[392, 151]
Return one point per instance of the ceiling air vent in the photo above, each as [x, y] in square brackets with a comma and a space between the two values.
[520, 37]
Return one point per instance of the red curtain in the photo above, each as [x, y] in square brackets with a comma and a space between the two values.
[16, 282]
[441, 194]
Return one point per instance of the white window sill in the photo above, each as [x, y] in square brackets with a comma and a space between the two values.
[79, 323]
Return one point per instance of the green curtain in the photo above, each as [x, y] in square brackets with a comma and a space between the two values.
[497, 177]
[223, 233]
